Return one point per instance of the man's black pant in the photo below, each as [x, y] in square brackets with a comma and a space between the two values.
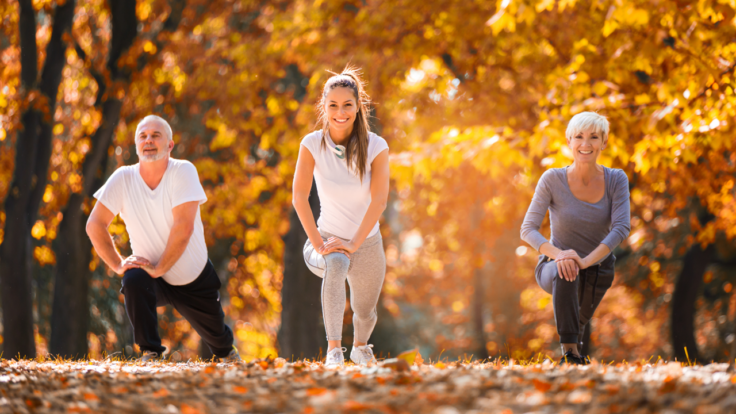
[574, 302]
[198, 302]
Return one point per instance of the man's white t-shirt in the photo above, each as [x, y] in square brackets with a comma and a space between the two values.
[148, 214]
[344, 200]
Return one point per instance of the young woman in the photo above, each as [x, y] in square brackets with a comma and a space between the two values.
[350, 165]
[589, 216]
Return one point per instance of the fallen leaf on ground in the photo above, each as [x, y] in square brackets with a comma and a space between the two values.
[396, 364]
[409, 356]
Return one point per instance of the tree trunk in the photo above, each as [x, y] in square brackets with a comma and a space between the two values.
[687, 288]
[33, 150]
[478, 300]
[70, 318]
[302, 333]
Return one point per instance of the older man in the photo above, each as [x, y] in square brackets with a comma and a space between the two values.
[159, 199]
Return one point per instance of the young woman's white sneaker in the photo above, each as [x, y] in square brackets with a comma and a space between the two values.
[335, 358]
[362, 354]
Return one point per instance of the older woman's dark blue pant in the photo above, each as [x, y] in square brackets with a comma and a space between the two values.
[198, 302]
[574, 302]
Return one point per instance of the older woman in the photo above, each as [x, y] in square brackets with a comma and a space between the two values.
[589, 217]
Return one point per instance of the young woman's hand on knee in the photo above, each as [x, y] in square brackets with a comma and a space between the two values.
[335, 244]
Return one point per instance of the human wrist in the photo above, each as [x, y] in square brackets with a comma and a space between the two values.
[318, 245]
[118, 267]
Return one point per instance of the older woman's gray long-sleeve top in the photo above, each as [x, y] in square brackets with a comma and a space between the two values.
[575, 224]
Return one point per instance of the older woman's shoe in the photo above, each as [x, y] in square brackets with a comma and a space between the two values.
[572, 359]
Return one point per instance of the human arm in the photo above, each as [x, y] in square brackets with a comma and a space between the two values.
[301, 187]
[181, 231]
[620, 211]
[535, 215]
[379, 199]
[97, 225]
[538, 207]
[598, 254]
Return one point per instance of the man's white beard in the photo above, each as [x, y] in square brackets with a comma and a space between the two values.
[151, 157]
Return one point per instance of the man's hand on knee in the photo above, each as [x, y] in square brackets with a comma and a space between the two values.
[132, 262]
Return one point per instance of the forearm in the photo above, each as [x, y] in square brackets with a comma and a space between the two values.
[304, 212]
[175, 246]
[375, 209]
[549, 250]
[104, 246]
[596, 255]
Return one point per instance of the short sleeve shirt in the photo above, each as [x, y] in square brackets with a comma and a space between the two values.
[343, 198]
[148, 214]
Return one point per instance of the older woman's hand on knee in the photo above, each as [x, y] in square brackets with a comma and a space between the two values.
[567, 269]
[572, 255]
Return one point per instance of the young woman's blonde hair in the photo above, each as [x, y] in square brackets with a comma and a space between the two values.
[587, 121]
[356, 148]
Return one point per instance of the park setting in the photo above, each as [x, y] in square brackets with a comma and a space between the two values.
[422, 145]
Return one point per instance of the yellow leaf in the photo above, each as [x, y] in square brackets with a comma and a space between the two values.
[409, 356]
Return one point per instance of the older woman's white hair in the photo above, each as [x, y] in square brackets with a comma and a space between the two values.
[167, 127]
[587, 121]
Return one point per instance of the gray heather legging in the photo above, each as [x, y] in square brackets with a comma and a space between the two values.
[364, 271]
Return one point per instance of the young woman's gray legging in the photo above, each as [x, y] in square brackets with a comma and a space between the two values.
[364, 271]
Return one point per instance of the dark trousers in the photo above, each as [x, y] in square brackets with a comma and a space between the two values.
[198, 302]
[574, 302]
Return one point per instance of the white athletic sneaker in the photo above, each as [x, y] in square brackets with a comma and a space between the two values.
[362, 354]
[335, 358]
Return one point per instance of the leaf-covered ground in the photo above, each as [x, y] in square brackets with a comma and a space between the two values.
[304, 387]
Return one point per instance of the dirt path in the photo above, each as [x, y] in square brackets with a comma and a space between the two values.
[277, 386]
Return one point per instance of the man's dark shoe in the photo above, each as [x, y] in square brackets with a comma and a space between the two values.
[150, 356]
[572, 359]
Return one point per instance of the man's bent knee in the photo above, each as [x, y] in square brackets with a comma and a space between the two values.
[136, 279]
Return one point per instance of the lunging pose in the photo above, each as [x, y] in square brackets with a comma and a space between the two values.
[350, 166]
[589, 216]
[159, 199]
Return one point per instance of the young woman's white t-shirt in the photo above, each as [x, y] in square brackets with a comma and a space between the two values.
[148, 214]
[344, 200]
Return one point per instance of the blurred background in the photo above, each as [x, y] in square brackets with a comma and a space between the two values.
[473, 98]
